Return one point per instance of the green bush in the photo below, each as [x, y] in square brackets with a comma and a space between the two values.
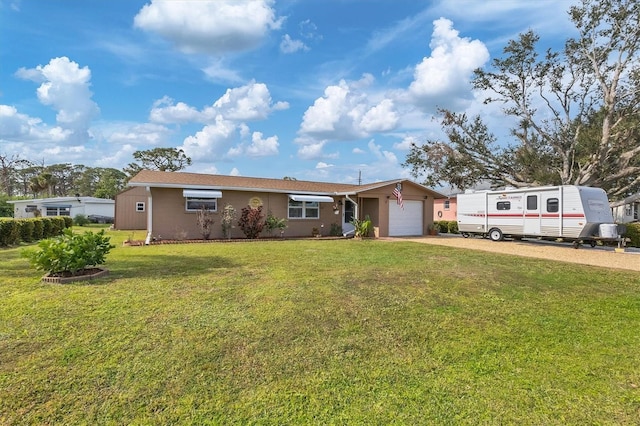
[9, 232]
[80, 220]
[273, 223]
[58, 224]
[47, 227]
[26, 230]
[38, 228]
[68, 221]
[362, 227]
[633, 233]
[70, 253]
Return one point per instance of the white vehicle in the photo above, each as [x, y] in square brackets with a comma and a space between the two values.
[572, 213]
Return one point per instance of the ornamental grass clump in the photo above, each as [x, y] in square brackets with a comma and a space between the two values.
[70, 254]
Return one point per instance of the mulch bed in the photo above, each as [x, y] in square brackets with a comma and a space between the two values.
[137, 243]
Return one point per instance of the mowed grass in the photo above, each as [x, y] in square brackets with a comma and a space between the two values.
[320, 332]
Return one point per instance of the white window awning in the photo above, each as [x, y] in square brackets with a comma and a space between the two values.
[198, 193]
[312, 198]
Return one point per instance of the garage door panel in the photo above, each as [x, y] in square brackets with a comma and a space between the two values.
[407, 221]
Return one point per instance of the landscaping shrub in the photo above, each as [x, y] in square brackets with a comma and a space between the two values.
[9, 232]
[633, 232]
[26, 230]
[452, 227]
[228, 216]
[205, 220]
[80, 220]
[47, 227]
[69, 253]
[38, 228]
[58, 224]
[362, 227]
[251, 221]
[68, 221]
[273, 223]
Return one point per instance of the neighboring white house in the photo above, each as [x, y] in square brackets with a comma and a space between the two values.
[101, 208]
[627, 210]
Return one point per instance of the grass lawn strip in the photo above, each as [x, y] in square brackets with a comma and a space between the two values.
[320, 332]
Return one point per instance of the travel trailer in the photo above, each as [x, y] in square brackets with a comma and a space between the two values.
[572, 213]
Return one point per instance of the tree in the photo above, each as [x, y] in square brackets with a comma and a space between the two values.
[163, 159]
[576, 111]
[9, 166]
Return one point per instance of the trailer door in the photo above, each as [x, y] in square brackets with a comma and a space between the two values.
[532, 214]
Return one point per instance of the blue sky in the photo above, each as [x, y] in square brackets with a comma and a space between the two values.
[313, 89]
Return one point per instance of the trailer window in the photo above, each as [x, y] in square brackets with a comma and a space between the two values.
[552, 205]
[532, 202]
[504, 205]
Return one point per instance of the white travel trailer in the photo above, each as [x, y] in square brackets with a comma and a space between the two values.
[573, 213]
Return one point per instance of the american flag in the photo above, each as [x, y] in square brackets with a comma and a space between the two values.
[398, 196]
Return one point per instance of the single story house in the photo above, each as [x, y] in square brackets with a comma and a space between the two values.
[396, 208]
[627, 210]
[446, 208]
[64, 206]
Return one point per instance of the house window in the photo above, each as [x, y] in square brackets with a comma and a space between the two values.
[140, 206]
[31, 208]
[58, 211]
[553, 205]
[627, 210]
[504, 205]
[195, 204]
[447, 204]
[304, 209]
[532, 202]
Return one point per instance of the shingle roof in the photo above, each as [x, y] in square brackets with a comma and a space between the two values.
[205, 181]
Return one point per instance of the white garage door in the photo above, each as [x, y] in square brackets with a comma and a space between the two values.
[407, 221]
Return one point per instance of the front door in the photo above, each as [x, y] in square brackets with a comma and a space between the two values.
[532, 214]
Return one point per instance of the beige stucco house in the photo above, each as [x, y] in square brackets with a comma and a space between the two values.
[173, 198]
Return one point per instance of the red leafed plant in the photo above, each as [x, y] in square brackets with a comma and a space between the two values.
[251, 221]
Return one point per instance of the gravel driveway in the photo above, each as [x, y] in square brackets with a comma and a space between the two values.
[564, 252]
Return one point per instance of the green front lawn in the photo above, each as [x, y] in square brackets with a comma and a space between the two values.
[320, 332]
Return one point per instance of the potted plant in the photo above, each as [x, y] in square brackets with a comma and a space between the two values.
[433, 229]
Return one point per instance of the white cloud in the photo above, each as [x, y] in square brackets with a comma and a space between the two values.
[405, 144]
[246, 103]
[385, 156]
[262, 147]
[323, 165]
[314, 152]
[380, 118]
[165, 111]
[140, 134]
[18, 127]
[235, 172]
[65, 88]
[212, 142]
[358, 151]
[289, 45]
[442, 79]
[211, 27]
[250, 102]
[345, 112]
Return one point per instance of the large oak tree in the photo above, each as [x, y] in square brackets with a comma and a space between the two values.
[576, 111]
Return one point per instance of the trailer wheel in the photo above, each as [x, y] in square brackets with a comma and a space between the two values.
[576, 245]
[495, 234]
[592, 243]
[466, 234]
